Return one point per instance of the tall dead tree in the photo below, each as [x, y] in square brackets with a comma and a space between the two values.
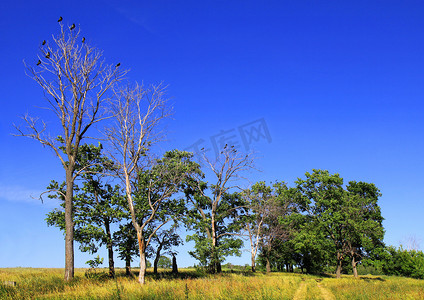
[76, 83]
[138, 112]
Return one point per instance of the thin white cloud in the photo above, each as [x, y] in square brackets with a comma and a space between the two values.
[134, 18]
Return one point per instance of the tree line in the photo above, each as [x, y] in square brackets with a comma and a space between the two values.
[123, 196]
[316, 224]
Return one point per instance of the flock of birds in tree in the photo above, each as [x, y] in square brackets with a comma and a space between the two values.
[225, 147]
[72, 27]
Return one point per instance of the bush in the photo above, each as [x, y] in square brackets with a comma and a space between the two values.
[369, 270]
[402, 262]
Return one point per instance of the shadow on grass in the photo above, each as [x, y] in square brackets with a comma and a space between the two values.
[371, 278]
[184, 274]
[325, 275]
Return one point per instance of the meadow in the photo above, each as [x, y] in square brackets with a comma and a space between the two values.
[32, 283]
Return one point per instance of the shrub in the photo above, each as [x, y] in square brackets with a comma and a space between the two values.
[402, 262]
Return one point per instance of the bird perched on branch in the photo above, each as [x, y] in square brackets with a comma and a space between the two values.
[48, 55]
[72, 27]
[39, 62]
[83, 40]
[60, 19]
[117, 65]
[43, 43]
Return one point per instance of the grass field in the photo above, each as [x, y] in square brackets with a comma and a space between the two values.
[48, 284]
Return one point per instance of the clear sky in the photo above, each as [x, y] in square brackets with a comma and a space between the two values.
[338, 84]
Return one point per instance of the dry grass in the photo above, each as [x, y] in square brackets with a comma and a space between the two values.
[376, 287]
[48, 284]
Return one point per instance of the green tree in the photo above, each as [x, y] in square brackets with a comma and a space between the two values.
[308, 246]
[97, 205]
[153, 201]
[402, 262]
[126, 242]
[350, 218]
[364, 220]
[226, 229]
[215, 208]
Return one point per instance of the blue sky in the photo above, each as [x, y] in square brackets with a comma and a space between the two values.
[339, 86]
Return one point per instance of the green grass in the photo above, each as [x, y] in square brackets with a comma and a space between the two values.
[49, 284]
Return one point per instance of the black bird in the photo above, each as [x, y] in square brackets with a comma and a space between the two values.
[43, 43]
[39, 62]
[48, 55]
[60, 19]
[202, 149]
[118, 65]
[72, 26]
[83, 40]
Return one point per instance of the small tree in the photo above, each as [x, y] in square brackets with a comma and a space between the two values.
[164, 241]
[76, 84]
[164, 262]
[126, 241]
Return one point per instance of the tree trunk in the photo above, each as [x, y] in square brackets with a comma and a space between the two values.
[69, 225]
[128, 266]
[253, 263]
[142, 274]
[339, 265]
[109, 248]
[174, 265]
[355, 271]
[155, 263]
[214, 261]
[268, 265]
[142, 251]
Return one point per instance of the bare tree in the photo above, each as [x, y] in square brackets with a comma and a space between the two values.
[227, 170]
[412, 243]
[260, 204]
[138, 112]
[76, 84]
